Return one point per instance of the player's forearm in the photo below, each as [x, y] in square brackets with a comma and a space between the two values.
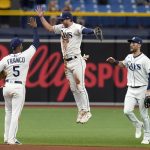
[46, 25]
[36, 40]
[115, 62]
[119, 63]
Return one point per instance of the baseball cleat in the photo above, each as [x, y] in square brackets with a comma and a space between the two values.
[14, 143]
[80, 115]
[146, 140]
[86, 117]
[138, 131]
[5, 142]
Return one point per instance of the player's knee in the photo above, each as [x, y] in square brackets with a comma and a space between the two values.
[72, 88]
[80, 87]
[127, 112]
[145, 117]
[76, 79]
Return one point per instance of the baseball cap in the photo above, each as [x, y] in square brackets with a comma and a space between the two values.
[15, 42]
[135, 40]
[65, 15]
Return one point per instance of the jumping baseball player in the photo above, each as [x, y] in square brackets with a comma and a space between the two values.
[138, 82]
[71, 37]
[16, 66]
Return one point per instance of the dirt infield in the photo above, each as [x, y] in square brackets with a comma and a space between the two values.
[38, 147]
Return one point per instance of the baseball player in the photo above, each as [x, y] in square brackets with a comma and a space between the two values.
[16, 66]
[71, 37]
[138, 82]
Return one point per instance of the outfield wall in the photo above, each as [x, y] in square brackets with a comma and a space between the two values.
[46, 80]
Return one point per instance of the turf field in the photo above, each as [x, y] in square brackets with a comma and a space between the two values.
[57, 126]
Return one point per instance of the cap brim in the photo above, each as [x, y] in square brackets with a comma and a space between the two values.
[130, 41]
[134, 42]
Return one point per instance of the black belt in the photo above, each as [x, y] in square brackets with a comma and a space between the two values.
[71, 58]
[18, 82]
[137, 86]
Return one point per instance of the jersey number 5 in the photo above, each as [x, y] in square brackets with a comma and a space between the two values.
[16, 71]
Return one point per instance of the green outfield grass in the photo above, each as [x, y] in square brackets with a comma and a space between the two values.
[57, 126]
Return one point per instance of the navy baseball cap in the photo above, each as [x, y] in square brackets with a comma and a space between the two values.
[15, 42]
[65, 15]
[136, 40]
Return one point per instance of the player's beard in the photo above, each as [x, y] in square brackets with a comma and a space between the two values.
[65, 25]
[133, 50]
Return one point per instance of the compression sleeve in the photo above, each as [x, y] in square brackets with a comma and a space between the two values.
[87, 31]
[36, 41]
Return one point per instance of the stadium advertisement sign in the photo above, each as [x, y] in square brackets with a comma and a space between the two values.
[46, 80]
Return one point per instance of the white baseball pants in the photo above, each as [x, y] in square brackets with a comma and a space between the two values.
[14, 96]
[75, 73]
[136, 96]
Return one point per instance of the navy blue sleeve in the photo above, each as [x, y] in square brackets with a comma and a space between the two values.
[148, 87]
[87, 31]
[36, 41]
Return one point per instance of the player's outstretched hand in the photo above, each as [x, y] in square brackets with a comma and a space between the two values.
[39, 11]
[32, 22]
[85, 57]
[110, 60]
[98, 33]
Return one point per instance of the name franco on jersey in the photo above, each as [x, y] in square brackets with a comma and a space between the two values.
[16, 60]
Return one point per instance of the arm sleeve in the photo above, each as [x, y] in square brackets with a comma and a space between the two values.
[78, 29]
[2, 66]
[57, 28]
[28, 53]
[147, 65]
[36, 41]
[87, 31]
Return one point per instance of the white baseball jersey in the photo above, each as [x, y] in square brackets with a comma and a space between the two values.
[16, 65]
[71, 38]
[138, 70]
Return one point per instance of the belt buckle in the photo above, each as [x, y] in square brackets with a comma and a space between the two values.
[74, 57]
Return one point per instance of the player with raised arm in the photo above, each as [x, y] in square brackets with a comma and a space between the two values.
[138, 82]
[71, 37]
[16, 66]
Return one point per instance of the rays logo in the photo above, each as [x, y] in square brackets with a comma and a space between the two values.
[133, 66]
[66, 35]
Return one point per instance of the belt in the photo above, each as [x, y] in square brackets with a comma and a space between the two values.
[11, 81]
[71, 58]
[137, 86]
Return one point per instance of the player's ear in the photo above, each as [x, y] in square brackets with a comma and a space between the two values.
[21, 46]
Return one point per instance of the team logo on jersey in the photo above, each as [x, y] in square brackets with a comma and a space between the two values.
[66, 35]
[133, 66]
